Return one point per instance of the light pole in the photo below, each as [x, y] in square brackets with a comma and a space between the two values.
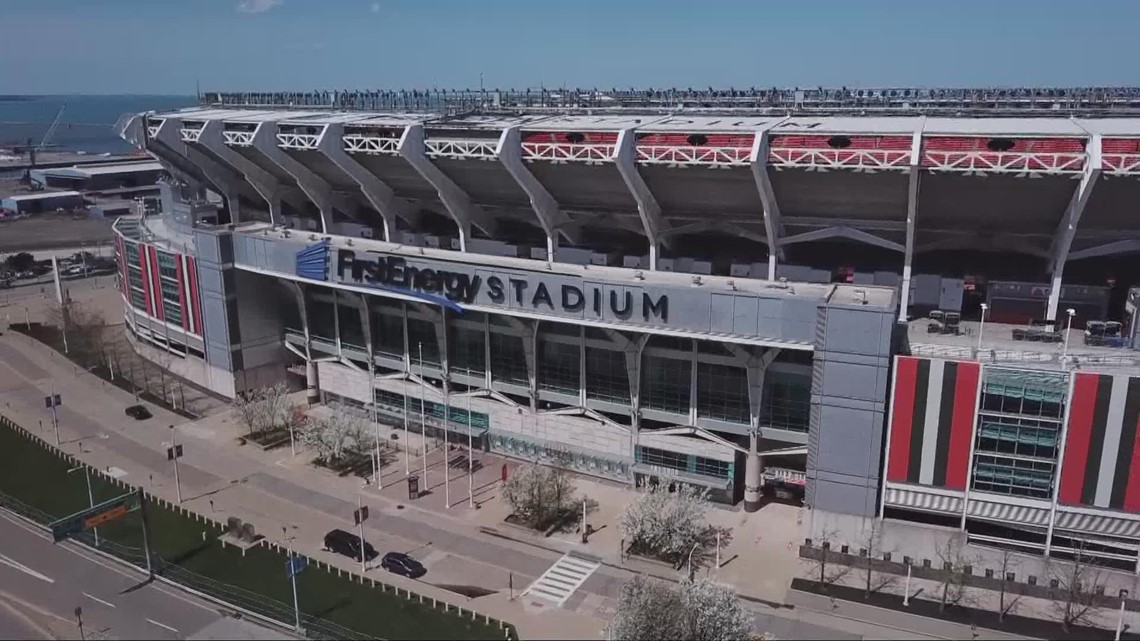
[1120, 622]
[446, 454]
[470, 459]
[982, 326]
[690, 559]
[360, 516]
[53, 401]
[423, 418]
[293, 570]
[906, 588]
[376, 430]
[90, 495]
[407, 445]
[1069, 325]
[174, 453]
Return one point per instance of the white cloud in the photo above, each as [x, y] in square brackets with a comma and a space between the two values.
[258, 6]
[375, 7]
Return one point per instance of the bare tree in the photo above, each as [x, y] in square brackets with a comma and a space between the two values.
[1077, 596]
[699, 610]
[955, 561]
[332, 437]
[1008, 602]
[84, 327]
[824, 564]
[539, 495]
[874, 581]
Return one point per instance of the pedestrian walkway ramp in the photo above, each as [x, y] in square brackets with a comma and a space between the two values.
[562, 579]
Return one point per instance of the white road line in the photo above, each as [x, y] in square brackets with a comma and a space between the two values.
[98, 600]
[25, 569]
[162, 625]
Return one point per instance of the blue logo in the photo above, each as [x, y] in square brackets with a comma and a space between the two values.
[313, 261]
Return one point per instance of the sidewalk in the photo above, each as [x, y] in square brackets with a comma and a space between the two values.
[286, 498]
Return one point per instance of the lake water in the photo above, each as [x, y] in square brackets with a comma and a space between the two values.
[86, 124]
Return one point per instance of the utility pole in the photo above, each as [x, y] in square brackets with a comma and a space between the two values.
[146, 534]
[174, 452]
[79, 620]
[53, 401]
[407, 445]
[360, 516]
[446, 452]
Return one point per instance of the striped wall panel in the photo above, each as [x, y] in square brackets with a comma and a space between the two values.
[1101, 466]
[932, 421]
[157, 310]
[194, 302]
[148, 297]
[179, 260]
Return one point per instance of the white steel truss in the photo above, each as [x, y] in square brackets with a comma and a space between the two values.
[462, 149]
[238, 138]
[985, 162]
[299, 142]
[564, 152]
[190, 134]
[863, 159]
[683, 155]
[1116, 164]
[365, 144]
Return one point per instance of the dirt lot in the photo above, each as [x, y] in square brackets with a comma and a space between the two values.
[50, 231]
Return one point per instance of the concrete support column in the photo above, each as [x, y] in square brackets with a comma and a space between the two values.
[693, 384]
[625, 157]
[911, 212]
[773, 223]
[582, 366]
[530, 350]
[263, 182]
[315, 188]
[753, 473]
[312, 383]
[407, 346]
[1067, 229]
[550, 216]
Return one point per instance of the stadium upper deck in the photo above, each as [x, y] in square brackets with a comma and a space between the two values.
[625, 173]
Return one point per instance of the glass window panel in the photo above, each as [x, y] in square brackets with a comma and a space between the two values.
[666, 383]
[559, 366]
[606, 376]
[786, 403]
[722, 392]
[468, 351]
[508, 360]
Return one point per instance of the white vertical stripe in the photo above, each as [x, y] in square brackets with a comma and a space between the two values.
[188, 307]
[1111, 446]
[930, 425]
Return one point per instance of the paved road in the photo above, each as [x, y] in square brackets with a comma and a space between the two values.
[42, 583]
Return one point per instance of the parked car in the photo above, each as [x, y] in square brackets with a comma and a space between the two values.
[400, 563]
[138, 412]
[341, 542]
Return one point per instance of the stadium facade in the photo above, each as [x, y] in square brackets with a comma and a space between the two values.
[703, 292]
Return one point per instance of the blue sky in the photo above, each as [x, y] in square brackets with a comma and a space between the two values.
[164, 46]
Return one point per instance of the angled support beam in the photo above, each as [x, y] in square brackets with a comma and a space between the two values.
[1108, 249]
[174, 162]
[843, 232]
[379, 194]
[314, 187]
[773, 223]
[223, 180]
[458, 203]
[264, 183]
[756, 367]
[529, 329]
[552, 219]
[911, 212]
[1067, 229]
[625, 157]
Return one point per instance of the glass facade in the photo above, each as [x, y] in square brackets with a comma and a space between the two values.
[392, 404]
[665, 384]
[786, 402]
[559, 366]
[551, 453]
[722, 392]
[508, 360]
[688, 463]
[422, 332]
[606, 376]
[1019, 432]
[468, 351]
[388, 333]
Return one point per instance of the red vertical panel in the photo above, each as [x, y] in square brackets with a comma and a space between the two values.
[962, 424]
[156, 277]
[195, 299]
[902, 418]
[181, 291]
[143, 251]
[1076, 455]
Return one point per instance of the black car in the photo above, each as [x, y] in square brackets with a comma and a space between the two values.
[138, 412]
[400, 563]
[341, 542]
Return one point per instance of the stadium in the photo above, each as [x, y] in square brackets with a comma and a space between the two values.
[906, 306]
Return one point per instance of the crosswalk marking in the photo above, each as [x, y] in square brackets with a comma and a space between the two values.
[560, 580]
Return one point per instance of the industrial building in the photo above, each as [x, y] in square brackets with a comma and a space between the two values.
[745, 291]
[100, 177]
[42, 202]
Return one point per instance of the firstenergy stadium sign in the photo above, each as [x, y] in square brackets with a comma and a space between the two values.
[455, 285]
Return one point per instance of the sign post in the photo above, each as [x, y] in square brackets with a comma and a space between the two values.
[51, 402]
[173, 453]
[294, 566]
[360, 515]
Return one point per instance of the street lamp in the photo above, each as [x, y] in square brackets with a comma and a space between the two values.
[982, 326]
[1069, 326]
[174, 453]
[90, 495]
[691, 560]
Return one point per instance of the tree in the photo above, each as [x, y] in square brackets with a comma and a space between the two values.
[955, 562]
[85, 330]
[1007, 602]
[539, 495]
[264, 408]
[20, 262]
[668, 524]
[331, 437]
[824, 564]
[1077, 595]
[701, 610]
[873, 580]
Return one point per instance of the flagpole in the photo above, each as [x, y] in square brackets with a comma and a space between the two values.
[423, 419]
[470, 459]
